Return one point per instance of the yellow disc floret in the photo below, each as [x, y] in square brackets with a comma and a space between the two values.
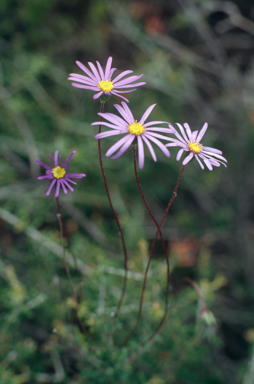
[105, 85]
[136, 128]
[195, 147]
[58, 172]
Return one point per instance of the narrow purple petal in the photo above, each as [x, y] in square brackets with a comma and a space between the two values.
[126, 81]
[117, 145]
[43, 165]
[146, 114]
[56, 158]
[159, 144]
[149, 145]
[158, 129]
[95, 71]
[171, 130]
[129, 85]
[182, 132]
[81, 66]
[117, 120]
[97, 95]
[68, 185]
[63, 186]
[202, 132]
[121, 75]
[108, 66]
[179, 154]
[51, 186]
[67, 161]
[58, 184]
[85, 87]
[83, 79]
[153, 134]
[199, 161]
[176, 143]
[127, 115]
[194, 136]
[118, 95]
[100, 70]
[208, 164]
[44, 177]
[75, 175]
[51, 159]
[212, 150]
[188, 158]
[141, 153]
[66, 179]
[102, 135]
[124, 148]
[188, 130]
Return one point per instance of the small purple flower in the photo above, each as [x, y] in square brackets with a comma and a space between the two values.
[58, 174]
[101, 82]
[132, 129]
[191, 143]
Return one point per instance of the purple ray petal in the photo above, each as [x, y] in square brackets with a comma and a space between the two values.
[141, 153]
[67, 161]
[97, 95]
[126, 81]
[124, 147]
[102, 135]
[44, 177]
[100, 70]
[56, 158]
[199, 161]
[202, 132]
[63, 186]
[212, 150]
[95, 71]
[159, 144]
[146, 114]
[182, 132]
[75, 175]
[179, 154]
[188, 130]
[69, 180]
[43, 165]
[85, 87]
[81, 66]
[188, 158]
[118, 144]
[58, 184]
[68, 185]
[51, 186]
[149, 145]
[108, 66]
[121, 75]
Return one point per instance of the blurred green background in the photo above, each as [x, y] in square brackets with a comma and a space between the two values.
[197, 58]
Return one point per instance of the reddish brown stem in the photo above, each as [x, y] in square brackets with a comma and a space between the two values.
[148, 264]
[62, 231]
[117, 221]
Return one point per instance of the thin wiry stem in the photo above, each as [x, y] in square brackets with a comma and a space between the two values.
[117, 221]
[147, 268]
[62, 231]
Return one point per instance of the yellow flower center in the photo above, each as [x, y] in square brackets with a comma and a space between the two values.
[105, 85]
[195, 147]
[136, 129]
[58, 172]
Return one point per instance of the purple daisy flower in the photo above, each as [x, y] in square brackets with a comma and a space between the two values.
[101, 82]
[58, 174]
[191, 143]
[132, 129]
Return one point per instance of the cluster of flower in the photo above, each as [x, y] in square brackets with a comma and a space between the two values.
[144, 132]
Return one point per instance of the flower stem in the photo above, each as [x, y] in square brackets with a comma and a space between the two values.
[117, 221]
[147, 268]
[62, 232]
